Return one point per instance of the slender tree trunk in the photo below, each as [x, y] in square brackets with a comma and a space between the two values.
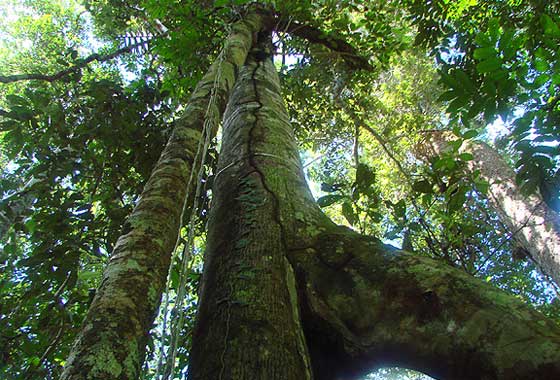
[276, 267]
[536, 226]
[112, 342]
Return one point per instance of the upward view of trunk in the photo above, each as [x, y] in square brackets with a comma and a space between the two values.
[535, 226]
[287, 294]
[114, 335]
[248, 322]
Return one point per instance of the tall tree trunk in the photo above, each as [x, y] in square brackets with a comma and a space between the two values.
[112, 342]
[248, 323]
[536, 226]
[276, 267]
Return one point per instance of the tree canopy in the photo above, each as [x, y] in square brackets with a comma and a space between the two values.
[91, 90]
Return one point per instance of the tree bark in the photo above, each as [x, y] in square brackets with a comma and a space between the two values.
[534, 225]
[112, 342]
[248, 323]
[277, 267]
[367, 305]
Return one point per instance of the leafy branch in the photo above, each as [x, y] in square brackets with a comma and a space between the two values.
[74, 69]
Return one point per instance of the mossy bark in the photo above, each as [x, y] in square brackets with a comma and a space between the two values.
[367, 305]
[276, 268]
[248, 323]
[112, 342]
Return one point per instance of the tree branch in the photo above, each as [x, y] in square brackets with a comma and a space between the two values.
[74, 69]
[386, 306]
[316, 36]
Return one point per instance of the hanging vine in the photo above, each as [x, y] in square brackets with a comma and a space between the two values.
[211, 120]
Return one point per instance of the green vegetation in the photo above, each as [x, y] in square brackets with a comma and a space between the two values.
[91, 91]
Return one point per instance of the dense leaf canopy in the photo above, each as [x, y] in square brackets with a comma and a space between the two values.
[89, 91]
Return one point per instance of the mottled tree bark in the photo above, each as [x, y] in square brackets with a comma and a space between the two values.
[535, 226]
[112, 342]
[248, 322]
[277, 267]
[366, 305]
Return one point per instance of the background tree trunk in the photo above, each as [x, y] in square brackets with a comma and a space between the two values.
[534, 225]
[112, 342]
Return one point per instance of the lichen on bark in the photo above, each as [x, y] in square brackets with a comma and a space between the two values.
[248, 323]
[111, 344]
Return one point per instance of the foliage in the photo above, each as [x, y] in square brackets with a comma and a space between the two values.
[75, 155]
[433, 206]
[77, 151]
[501, 59]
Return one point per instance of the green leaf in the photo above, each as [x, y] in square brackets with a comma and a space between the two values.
[465, 81]
[448, 80]
[399, 209]
[549, 26]
[506, 44]
[448, 95]
[348, 212]
[483, 53]
[471, 133]
[482, 186]
[457, 199]
[482, 39]
[476, 107]
[328, 200]
[540, 65]
[456, 104]
[489, 65]
[523, 146]
[455, 145]
[466, 156]
[509, 52]
[8, 124]
[546, 149]
[489, 88]
[499, 76]
[375, 216]
[422, 186]
[21, 113]
[16, 100]
[414, 226]
[34, 361]
[446, 162]
[494, 29]
[365, 177]
[540, 80]
[31, 225]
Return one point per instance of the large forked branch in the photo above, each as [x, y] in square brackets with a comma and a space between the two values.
[367, 305]
[347, 52]
[74, 69]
